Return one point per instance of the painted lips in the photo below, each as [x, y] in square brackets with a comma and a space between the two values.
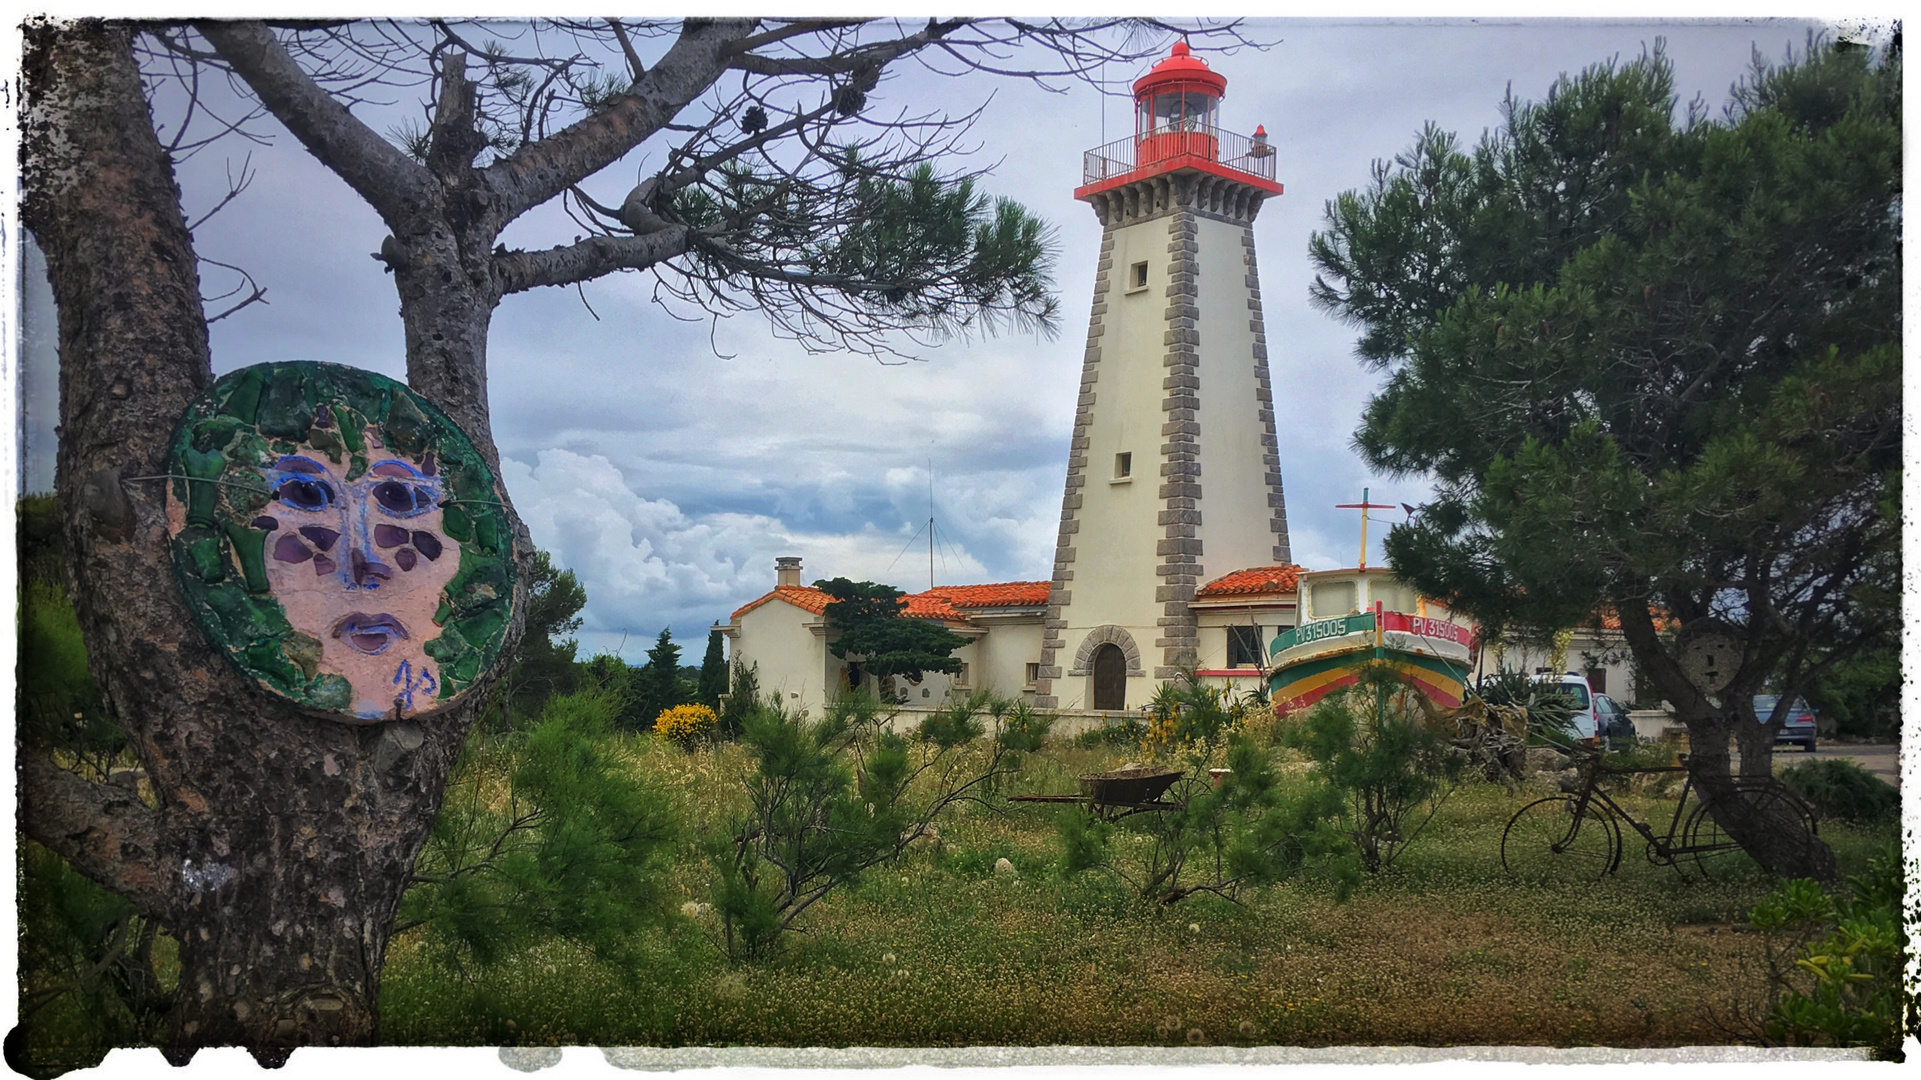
[371, 634]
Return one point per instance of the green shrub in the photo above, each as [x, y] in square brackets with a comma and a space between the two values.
[1550, 714]
[1842, 790]
[1836, 963]
[90, 970]
[743, 700]
[573, 851]
[1190, 718]
[831, 799]
[1217, 839]
[1388, 770]
[1128, 731]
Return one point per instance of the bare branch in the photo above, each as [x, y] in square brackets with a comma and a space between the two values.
[256, 294]
[797, 28]
[103, 831]
[593, 257]
[234, 188]
[538, 171]
[634, 66]
[381, 173]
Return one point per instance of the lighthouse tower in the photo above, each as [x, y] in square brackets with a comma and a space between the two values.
[1173, 475]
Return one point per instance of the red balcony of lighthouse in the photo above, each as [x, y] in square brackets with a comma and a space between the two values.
[1176, 130]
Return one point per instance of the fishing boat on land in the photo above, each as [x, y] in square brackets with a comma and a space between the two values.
[1364, 615]
[1411, 635]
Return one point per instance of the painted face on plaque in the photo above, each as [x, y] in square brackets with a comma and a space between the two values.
[340, 540]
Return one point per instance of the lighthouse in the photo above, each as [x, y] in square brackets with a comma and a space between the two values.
[1173, 471]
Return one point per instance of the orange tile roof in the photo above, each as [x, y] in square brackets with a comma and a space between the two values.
[1003, 594]
[1261, 580]
[1607, 618]
[805, 597]
[943, 602]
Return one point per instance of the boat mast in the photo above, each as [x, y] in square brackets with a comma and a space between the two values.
[1363, 506]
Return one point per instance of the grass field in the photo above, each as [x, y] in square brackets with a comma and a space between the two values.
[939, 950]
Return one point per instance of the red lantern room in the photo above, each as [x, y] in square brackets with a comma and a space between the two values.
[1176, 128]
[1175, 107]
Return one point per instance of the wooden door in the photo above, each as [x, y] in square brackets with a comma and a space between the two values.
[1110, 677]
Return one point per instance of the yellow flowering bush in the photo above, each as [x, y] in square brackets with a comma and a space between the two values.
[1191, 718]
[685, 725]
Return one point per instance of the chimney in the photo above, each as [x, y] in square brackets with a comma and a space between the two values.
[786, 570]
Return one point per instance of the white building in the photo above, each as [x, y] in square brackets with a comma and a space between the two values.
[784, 634]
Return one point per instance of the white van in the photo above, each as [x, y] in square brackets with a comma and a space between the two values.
[1575, 688]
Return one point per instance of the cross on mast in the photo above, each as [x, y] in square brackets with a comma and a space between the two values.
[1363, 506]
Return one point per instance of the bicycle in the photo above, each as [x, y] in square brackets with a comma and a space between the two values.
[1575, 837]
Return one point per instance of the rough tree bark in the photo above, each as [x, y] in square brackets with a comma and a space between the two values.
[278, 845]
[1773, 837]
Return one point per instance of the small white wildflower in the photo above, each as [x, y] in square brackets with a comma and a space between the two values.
[1003, 866]
[1193, 928]
[887, 959]
[691, 909]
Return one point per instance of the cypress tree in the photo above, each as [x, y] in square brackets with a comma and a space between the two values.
[713, 672]
[657, 686]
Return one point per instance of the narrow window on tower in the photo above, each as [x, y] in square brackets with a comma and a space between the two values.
[1123, 466]
[1137, 277]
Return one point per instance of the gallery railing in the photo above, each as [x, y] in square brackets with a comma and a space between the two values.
[1166, 145]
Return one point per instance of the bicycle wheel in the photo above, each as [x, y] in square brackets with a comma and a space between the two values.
[1547, 844]
[1718, 856]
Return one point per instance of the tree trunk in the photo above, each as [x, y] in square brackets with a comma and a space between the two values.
[1774, 836]
[1768, 828]
[280, 844]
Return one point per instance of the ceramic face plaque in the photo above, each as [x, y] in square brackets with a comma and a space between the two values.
[339, 539]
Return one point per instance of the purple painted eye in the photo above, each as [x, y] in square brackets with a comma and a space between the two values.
[289, 549]
[399, 498]
[265, 522]
[427, 464]
[323, 566]
[428, 544]
[304, 494]
[321, 536]
[322, 417]
[406, 558]
[389, 536]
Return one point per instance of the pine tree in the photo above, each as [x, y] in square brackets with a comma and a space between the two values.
[656, 687]
[867, 619]
[713, 672]
[1653, 366]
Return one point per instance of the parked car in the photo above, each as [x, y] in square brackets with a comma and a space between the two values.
[1613, 723]
[1798, 727]
[1575, 688]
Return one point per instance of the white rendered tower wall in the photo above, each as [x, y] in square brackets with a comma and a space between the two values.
[1175, 376]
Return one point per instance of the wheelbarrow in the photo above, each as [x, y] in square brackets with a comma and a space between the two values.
[1118, 792]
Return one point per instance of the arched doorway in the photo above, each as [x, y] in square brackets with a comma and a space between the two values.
[1110, 677]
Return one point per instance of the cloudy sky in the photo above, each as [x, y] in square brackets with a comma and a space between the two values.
[667, 463]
